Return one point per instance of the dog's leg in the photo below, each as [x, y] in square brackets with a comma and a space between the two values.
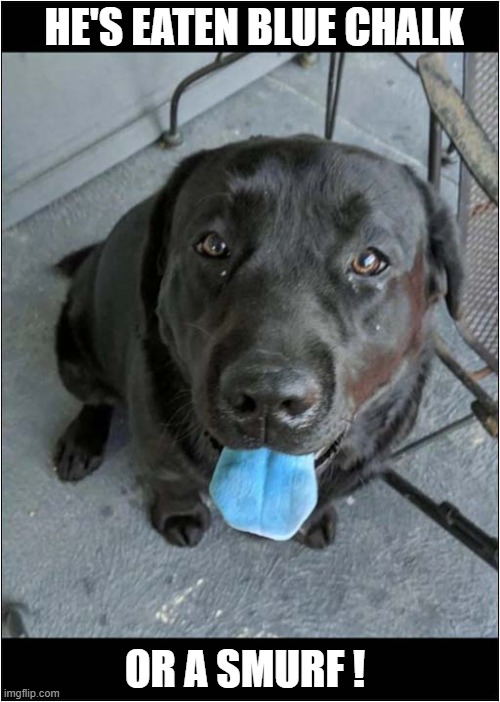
[80, 450]
[179, 515]
[319, 529]
[175, 482]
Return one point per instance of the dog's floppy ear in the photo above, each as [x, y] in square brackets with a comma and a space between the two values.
[153, 262]
[446, 272]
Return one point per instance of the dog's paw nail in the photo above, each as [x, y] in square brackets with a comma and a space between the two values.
[319, 532]
[73, 463]
[183, 529]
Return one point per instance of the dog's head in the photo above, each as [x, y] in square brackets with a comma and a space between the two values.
[292, 282]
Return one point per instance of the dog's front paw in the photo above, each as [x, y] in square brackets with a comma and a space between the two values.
[182, 529]
[76, 455]
[319, 530]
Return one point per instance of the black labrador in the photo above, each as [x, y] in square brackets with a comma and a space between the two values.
[276, 292]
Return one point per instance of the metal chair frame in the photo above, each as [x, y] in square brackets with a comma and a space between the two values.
[484, 408]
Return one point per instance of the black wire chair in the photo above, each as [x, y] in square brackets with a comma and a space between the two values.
[470, 120]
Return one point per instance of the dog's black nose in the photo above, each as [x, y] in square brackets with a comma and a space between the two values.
[282, 395]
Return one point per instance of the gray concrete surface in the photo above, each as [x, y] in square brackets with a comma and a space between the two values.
[84, 559]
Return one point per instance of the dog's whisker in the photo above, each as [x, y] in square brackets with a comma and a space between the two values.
[186, 408]
[184, 411]
[196, 326]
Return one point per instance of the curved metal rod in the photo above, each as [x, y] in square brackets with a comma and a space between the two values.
[174, 137]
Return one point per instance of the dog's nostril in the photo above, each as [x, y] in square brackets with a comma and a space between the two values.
[294, 406]
[245, 404]
[282, 395]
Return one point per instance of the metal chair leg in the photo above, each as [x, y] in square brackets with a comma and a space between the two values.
[446, 514]
[333, 91]
[449, 517]
[435, 149]
[430, 438]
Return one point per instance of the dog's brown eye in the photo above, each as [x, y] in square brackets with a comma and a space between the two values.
[213, 245]
[369, 262]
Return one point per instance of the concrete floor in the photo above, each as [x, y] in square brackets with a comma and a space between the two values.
[83, 558]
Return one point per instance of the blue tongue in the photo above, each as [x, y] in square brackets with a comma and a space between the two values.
[264, 492]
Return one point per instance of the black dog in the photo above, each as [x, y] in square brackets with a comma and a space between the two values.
[276, 292]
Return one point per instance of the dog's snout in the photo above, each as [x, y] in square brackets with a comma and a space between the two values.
[277, 394]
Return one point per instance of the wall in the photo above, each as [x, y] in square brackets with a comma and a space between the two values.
[69, 117]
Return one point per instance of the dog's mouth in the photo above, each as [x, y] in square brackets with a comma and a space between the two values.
[325, 455]
[321, 459]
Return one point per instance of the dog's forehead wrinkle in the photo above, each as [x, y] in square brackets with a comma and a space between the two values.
[279, 171]
[287, 269]
[207, 209]
[218, 199]
[383, 184]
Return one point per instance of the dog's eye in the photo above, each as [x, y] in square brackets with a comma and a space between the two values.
[369, 262]
[212, 245]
